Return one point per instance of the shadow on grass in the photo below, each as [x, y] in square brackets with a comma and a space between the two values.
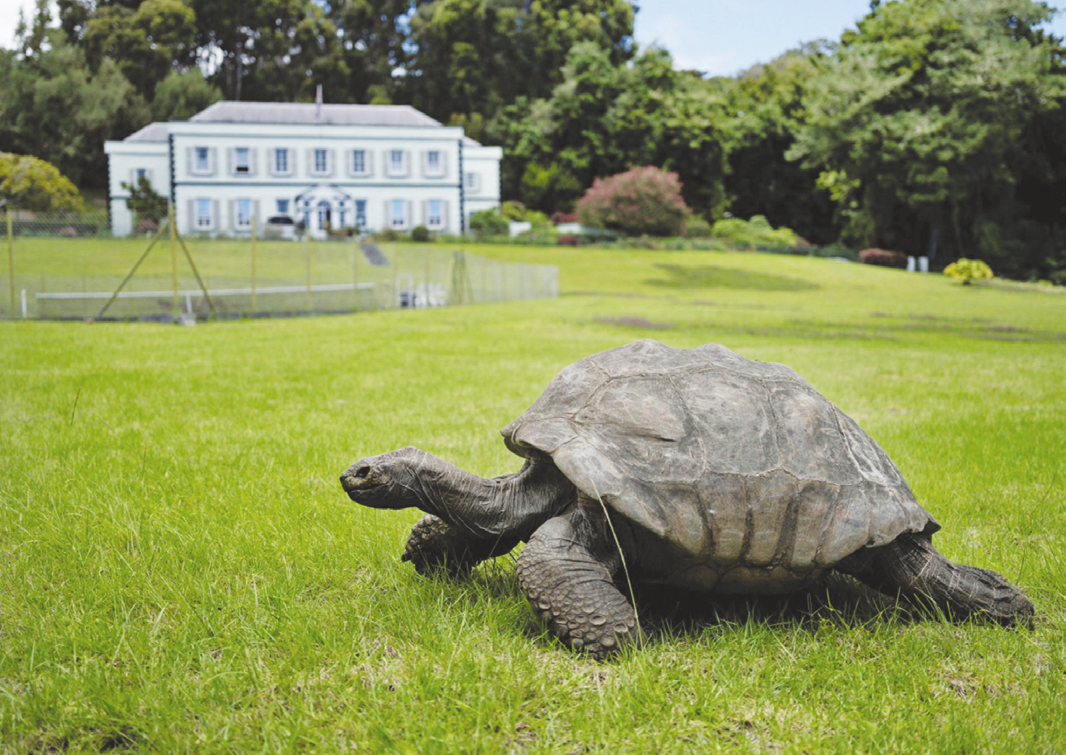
[709, 276]
[672, 615]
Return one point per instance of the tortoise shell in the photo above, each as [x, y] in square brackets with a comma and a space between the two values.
[740, 467]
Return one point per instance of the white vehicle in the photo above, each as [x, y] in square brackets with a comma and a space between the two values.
[280, 227]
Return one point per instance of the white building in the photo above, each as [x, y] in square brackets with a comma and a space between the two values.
[330, 166]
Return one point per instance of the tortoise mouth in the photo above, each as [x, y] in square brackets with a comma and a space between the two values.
[359, 479]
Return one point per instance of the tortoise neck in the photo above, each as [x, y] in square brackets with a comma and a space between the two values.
[515, 504]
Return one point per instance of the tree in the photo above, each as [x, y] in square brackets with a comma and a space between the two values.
[53, 107]
[36, 185]
[183, 94]
[603, 118]
[764, 105]
[920, 120]
[144, 201]
[640, 201]
[476, 56]
[146, 42]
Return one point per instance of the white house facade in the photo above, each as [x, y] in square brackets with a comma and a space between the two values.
[330, 167]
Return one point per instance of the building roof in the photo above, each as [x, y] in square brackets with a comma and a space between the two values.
[153, 132]
[308, 113]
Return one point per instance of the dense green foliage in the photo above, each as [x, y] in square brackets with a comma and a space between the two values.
[182, 572]
[604, 118]
[756, 233]
[144, 201]
[32, 184]
[936, 127]
[931, 120]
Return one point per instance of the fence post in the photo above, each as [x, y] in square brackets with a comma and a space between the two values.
[254, 272]
[355, 274]
[307, 243]
[173, 259]
[10, 258]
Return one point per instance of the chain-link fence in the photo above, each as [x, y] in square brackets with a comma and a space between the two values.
[109, 278]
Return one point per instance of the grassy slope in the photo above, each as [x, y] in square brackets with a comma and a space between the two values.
[181, 571]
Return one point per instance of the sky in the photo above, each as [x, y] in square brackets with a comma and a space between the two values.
[718, 37]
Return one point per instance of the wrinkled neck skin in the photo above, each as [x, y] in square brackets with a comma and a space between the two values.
[514, 505]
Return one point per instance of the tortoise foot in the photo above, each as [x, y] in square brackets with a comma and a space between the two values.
[435, 547]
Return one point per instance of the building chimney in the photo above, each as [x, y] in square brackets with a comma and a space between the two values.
[318, 102]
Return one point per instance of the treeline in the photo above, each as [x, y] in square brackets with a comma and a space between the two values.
[936, 127]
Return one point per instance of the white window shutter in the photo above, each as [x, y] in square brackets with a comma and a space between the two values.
[216, 221]
[232, 214]
[425, 163]
[425, 212]
[255, 212]
[311, 161]
[253, 160]
[212, 160]
[407, 162]
[191, 227]
[369, 156]
[408, 216]
[188, 160]
[229, 161]
[331, 161]
[388, 214]
[133, 177]
[443, 164]
[443, 215]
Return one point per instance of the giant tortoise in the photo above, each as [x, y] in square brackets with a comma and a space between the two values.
[695, 468]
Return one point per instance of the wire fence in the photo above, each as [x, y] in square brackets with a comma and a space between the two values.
[59, 277]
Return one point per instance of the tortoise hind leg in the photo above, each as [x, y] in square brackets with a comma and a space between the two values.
[912, 567]
[566, 572]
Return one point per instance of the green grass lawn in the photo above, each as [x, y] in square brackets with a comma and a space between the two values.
[181, 572]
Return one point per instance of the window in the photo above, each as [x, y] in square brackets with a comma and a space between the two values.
[283, 206]
[434, 213]
[398, 209]
[281, 161]
[202, 158]
[203, 213]
[397, 163]
[244, 213]
[140, 173]
[323, 214]
[470, 182]
[434, 165]
[360, 213]
[359, 167]
[321, 164]
[241, 161]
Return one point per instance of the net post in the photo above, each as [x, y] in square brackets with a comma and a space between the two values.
[355, 273]
[307, 273]
[196, 272]
[254, 267]
[173, 259]
[10, 257]
[137, 264]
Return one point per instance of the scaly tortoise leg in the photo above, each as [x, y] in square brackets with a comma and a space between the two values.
[568, 578]
[910, 566]
[434, 546]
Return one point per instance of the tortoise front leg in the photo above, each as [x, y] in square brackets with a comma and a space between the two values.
[434, 546]
[567, 574]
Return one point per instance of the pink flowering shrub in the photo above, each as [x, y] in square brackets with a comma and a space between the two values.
[641, 201]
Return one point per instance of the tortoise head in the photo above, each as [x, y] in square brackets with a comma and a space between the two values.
[385, 481]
